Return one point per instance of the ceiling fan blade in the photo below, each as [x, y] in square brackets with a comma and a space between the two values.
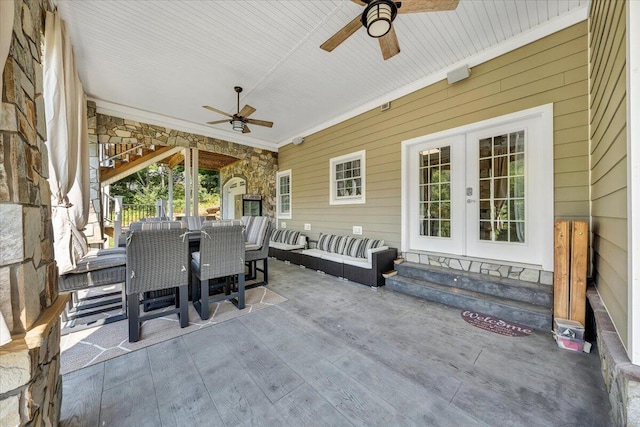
[246, 129]
[260, 122]
[215, 110]
[359, 2]
[215, 122]
[389, 44]
[246, 111]
[342, 35]
[417, 6]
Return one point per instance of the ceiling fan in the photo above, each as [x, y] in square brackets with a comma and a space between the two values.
[377, 18]
[240, 119]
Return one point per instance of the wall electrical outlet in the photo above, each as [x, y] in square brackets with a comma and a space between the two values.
[307, 227]
[283, 224]
[357, 229]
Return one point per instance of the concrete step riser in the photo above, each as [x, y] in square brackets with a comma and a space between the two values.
[488, 287]
[503, 311]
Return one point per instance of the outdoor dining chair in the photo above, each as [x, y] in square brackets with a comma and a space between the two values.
[221, 255]
[261, 254]
[98, 268]
[157, 259]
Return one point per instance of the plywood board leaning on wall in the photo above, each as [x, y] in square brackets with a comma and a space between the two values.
[561, 250]
[578, 271]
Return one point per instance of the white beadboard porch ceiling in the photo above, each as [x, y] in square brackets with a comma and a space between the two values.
[160, 61]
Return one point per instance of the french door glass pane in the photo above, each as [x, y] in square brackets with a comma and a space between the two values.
[435, 192]
[501, 187]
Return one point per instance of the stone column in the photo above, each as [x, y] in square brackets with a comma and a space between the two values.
[94, 227]
[259, 167]
[30, 382]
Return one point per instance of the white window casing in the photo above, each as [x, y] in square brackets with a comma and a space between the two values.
[347, 179]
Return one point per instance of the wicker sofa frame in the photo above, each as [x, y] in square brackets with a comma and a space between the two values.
[381, 261]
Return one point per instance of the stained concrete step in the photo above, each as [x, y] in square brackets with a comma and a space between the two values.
[533, 293]
[524, 313]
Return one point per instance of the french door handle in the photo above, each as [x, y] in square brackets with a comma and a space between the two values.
[470, 201]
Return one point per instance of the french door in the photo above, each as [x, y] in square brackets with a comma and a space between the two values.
[482, 193]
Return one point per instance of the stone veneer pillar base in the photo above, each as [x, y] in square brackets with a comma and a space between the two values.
[621, 377]
[30, 380]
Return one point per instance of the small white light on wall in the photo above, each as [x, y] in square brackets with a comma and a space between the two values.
[297, 140]
[458, 74]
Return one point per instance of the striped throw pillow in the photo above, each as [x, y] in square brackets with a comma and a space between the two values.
[323, 242]
[275, 236]
[256, 228]
[353, 246]
[337, 245]
[222, 223]
[369, 244]
[291, 238]
[162, 225]
[79, 243]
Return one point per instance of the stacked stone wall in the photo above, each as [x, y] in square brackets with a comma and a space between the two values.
[506, 271]
[93, 229]
[256, 165]
[30, 382]
[621, 377]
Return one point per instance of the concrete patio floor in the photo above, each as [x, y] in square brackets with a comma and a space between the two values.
[340, 353]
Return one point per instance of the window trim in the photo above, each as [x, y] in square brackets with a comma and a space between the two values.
[279, 213]
[351, 200]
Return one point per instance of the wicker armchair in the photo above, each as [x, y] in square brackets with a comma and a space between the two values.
[221, 255]
[157, 259]
[94, 269]
[253, 256]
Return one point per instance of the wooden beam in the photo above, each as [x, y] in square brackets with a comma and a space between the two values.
[112, 175]
[176, 160]
[561, 269]
[578, 291]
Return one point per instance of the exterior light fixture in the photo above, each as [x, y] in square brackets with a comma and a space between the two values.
[377, 17]
[237, 125]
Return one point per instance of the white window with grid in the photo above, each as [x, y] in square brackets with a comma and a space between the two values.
[347, 179]
[283, 195]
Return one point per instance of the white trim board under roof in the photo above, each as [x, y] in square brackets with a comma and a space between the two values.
[159, 62]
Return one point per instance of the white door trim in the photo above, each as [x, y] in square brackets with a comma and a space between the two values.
[545, 183]
[228, 196]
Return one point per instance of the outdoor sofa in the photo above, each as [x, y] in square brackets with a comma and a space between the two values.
[360, 260]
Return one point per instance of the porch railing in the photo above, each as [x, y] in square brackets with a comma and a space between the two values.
[109, 153]
[112, 215]
[133, 213]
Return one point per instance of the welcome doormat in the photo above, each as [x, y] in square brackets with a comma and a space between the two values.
[495, 324]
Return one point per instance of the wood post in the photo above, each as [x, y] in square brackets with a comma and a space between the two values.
[570, 270]
[561, 269]
[578, 291]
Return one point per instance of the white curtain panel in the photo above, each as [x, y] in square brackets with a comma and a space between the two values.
[79, 194]
[59, 97]
[67, 140]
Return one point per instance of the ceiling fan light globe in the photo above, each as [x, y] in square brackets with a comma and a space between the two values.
[237, 125]
[379, 28]
[377, 17]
